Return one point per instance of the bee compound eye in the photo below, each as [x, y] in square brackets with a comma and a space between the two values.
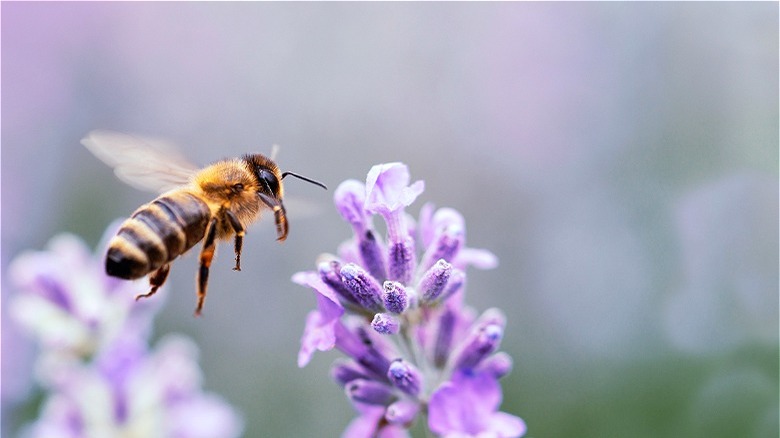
[238, 187]
[269, 180]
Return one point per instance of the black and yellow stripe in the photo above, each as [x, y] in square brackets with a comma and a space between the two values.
[156, 234]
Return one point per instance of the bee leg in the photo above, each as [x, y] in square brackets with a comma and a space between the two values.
[280, 215]
[239, 240]
[156, 280]
[206, 255]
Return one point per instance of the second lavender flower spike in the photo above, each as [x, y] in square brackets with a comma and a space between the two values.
[416, 352]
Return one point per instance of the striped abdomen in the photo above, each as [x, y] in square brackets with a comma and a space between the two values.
[157, 233]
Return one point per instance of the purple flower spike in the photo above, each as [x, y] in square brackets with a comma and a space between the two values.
[385, 324]
[434, 281]
[368, 391]
[405, 376]
[445, 361]
[395, 297]
[363, 286]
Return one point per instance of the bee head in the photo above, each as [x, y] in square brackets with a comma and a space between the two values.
[269, 180]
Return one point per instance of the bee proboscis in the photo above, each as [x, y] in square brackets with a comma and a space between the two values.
[214, 203]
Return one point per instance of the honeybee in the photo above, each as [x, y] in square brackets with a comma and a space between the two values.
[214, 203]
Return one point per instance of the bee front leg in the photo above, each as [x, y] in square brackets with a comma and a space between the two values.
[239, 240]
[279, 215]
[206, 255]
[156, 280]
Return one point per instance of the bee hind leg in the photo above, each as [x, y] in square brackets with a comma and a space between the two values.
[239, 240]
[156, 280]
[206, 255]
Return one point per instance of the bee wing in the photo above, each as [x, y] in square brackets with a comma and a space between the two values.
[144, 163]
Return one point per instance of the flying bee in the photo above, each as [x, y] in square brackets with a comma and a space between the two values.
[214, 203]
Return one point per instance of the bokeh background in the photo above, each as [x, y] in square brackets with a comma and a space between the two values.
[621, 160]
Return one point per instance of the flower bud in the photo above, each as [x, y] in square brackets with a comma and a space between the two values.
[405, 376]
[363, 286]
[385, 324]
[369, 391]
[434, 281]
[395, 297]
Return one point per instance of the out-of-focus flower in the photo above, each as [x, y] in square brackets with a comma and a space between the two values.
[65, 299]
[130, 392]
[94, 363]
[414, 348]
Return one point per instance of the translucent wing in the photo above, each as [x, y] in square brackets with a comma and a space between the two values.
[144, 163]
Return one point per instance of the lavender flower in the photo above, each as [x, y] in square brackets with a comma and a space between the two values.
[414, 349]
[70, 305]
[94, 364]
[128, 391]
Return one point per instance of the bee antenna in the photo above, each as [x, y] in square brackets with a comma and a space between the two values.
[309, 180]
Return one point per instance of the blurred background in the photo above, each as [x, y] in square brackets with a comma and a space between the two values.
[620, 159]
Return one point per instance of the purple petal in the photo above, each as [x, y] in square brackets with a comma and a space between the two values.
[468, 405]
[507, 425]
[366, 424]
[425, 224]
[479, 258]
[497, 365]
[388, 189]
[402, 412]
[350, 198]
[313, 280]
[447, 217]
[318, 333]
